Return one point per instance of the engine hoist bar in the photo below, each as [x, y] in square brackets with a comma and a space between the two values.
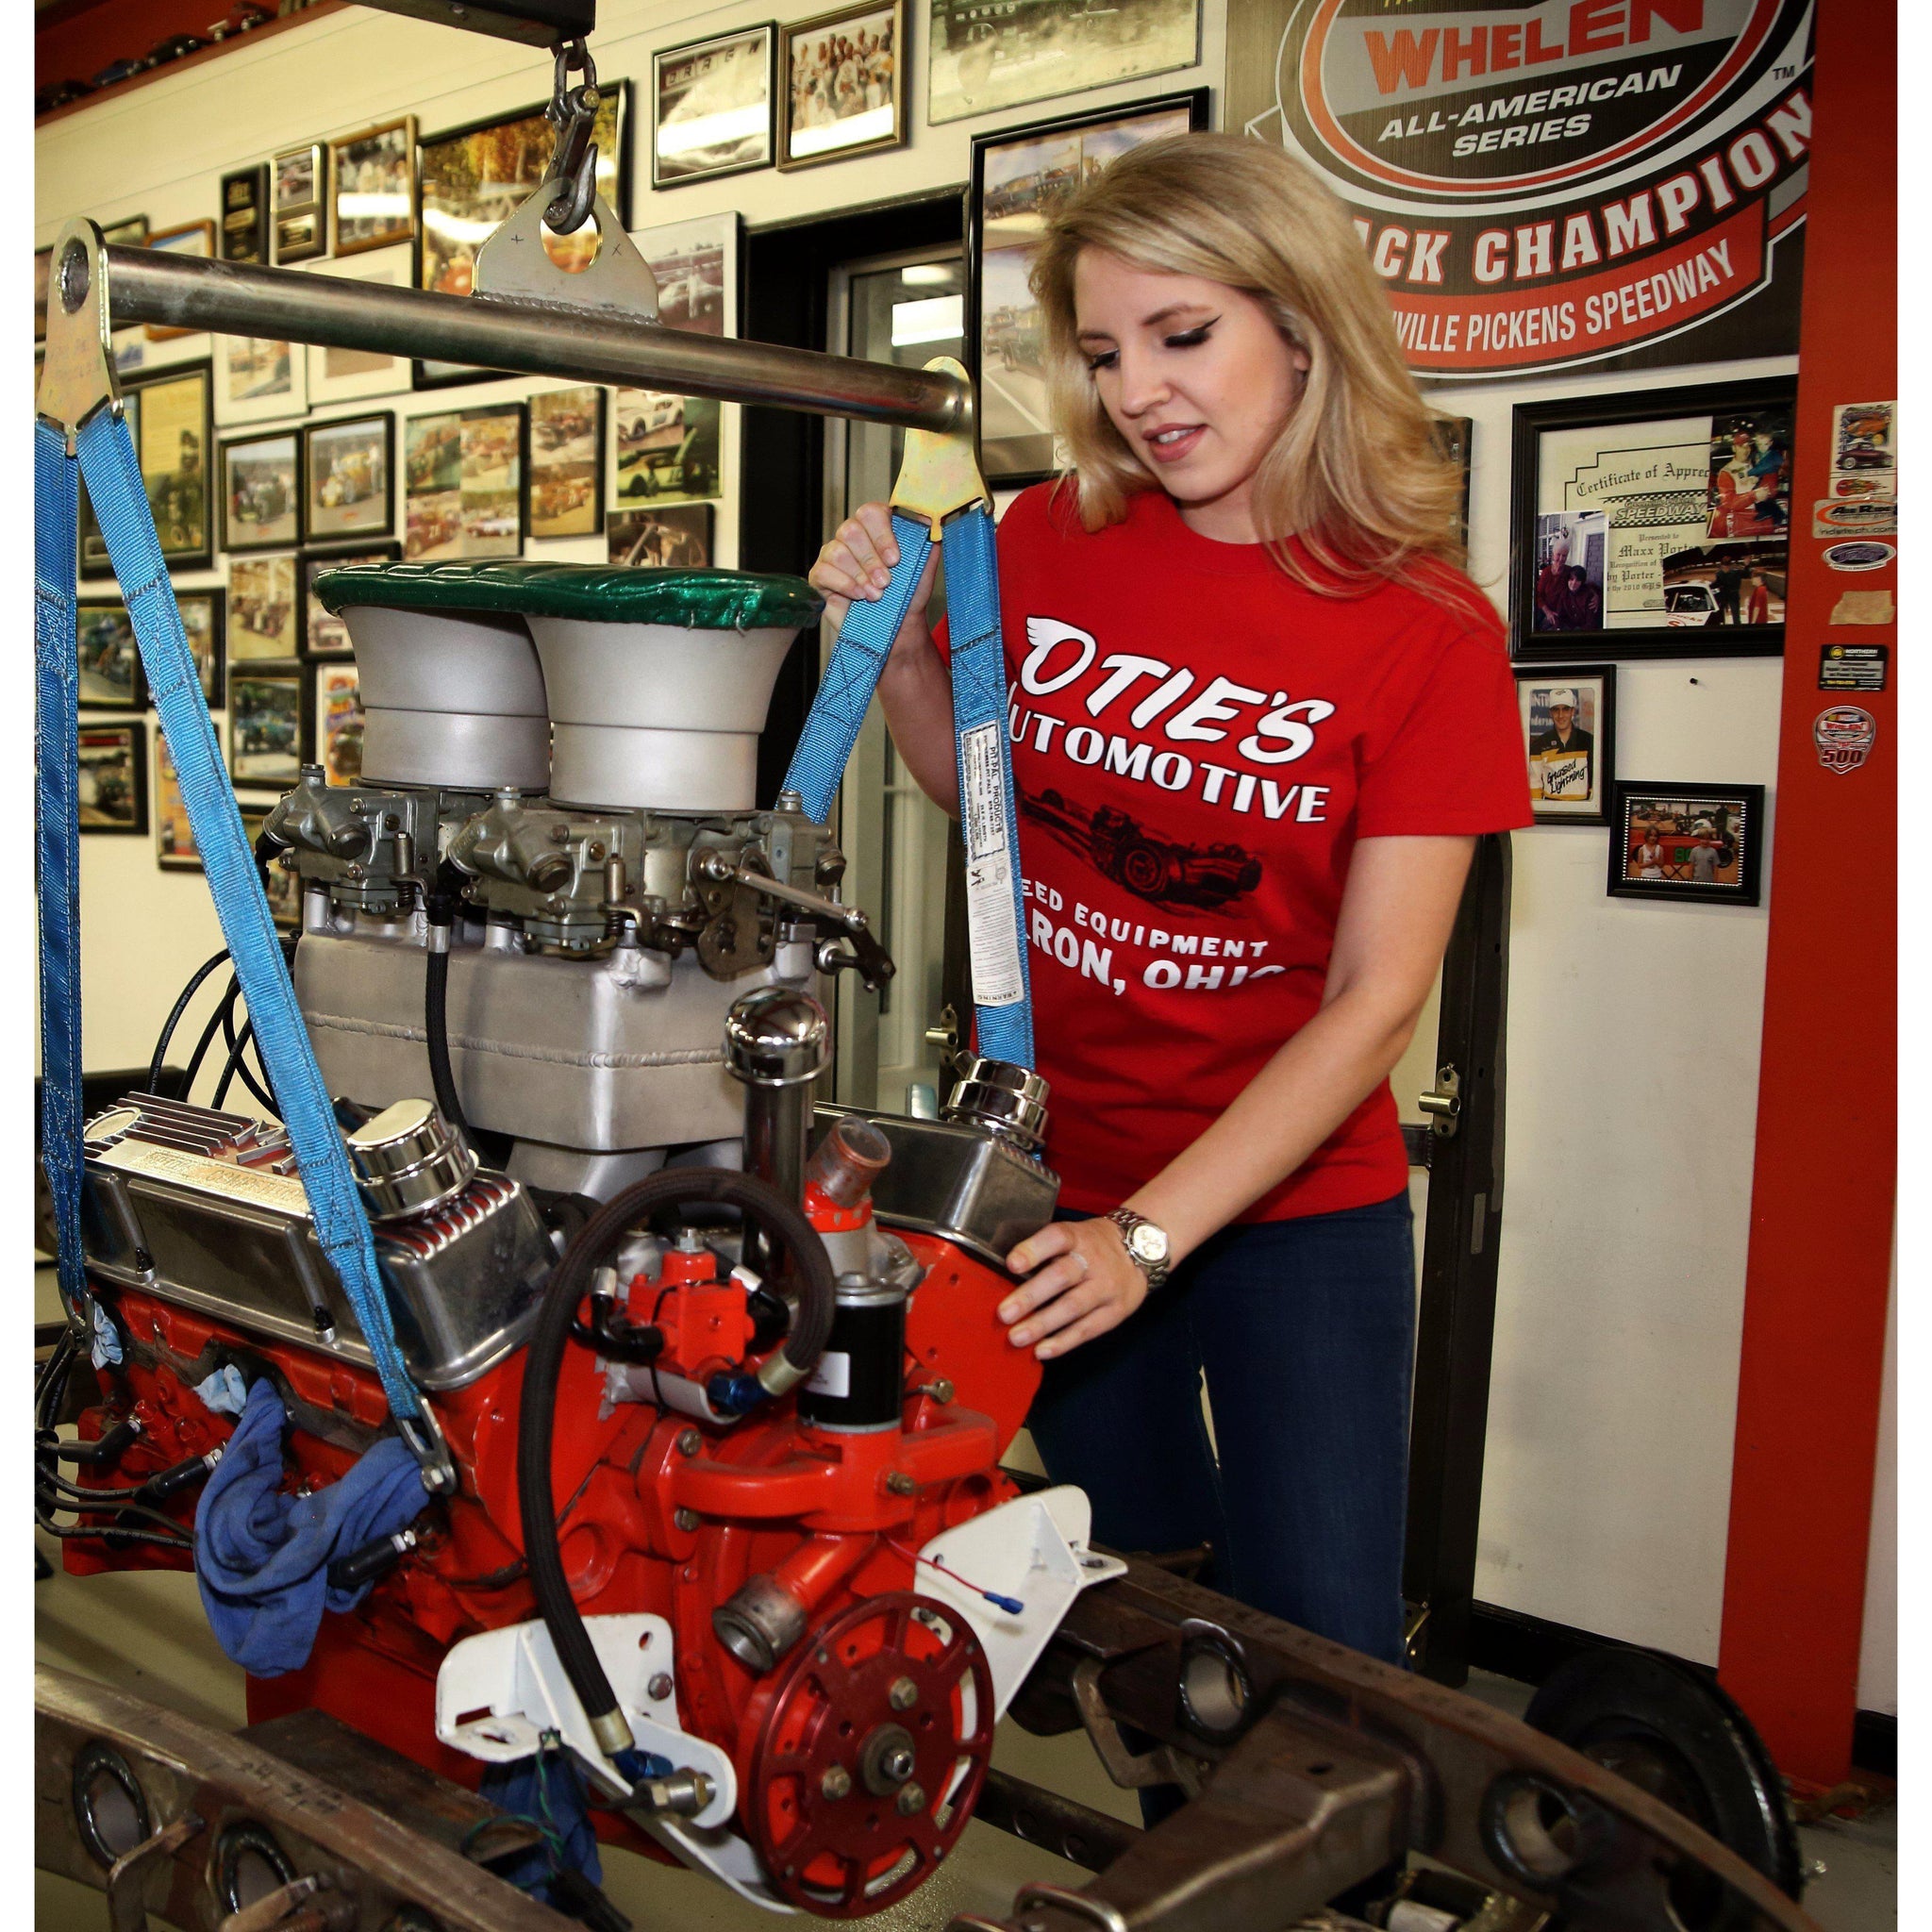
[146, 285]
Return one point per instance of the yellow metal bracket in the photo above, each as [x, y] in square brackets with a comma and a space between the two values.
[939, 474]
[78, 376]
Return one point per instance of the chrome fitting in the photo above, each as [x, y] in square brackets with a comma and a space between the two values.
[760, 1622]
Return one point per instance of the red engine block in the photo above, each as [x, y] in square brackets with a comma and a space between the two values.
[661, 1514]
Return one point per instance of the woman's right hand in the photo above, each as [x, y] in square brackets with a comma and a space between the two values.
[856, 562]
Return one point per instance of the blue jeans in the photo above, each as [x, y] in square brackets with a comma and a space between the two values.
[1305, 1330]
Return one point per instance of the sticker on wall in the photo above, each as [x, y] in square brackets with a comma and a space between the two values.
[1853, 667]
[1861, 555]
[1876, 518]
[1844, 736]
[1864, 446]
[1864, 606]
[1542, 186]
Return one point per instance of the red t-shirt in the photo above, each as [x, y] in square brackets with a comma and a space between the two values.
[1198, 742]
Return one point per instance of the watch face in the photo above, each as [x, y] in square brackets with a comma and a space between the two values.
[1148, 1242]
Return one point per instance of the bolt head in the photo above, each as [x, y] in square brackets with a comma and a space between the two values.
[911, 1799]
[904, 1695]
[898, 1763]
[943, 1390]
[689, 1442]
[900, 1483]
[836, 1784]
[659, 1687]
[686, 1519]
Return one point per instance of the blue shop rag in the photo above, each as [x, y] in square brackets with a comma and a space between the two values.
[546, 1790]
[261, 1556]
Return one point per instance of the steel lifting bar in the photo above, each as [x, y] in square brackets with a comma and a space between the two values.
[526, 338]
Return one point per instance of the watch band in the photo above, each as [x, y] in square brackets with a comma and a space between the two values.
[1128, 1221]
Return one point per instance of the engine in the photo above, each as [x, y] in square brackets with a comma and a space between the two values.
[741, 1352]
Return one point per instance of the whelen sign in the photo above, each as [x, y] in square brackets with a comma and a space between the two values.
[1569, 182]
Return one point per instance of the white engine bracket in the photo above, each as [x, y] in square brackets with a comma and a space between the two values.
[498, 1692]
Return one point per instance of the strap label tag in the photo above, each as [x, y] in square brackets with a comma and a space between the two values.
[991, 928]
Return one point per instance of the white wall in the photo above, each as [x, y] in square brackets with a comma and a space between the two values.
[1632, 1098]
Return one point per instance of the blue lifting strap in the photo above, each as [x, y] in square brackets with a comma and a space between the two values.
[120, 502]
[996, 923]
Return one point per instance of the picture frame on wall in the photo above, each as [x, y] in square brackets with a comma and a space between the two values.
[1569, 733]
[695, 264]
[203, 620]
[94, 563]
[564, 477]
[262, 610]
[676, 537]
[266, 737]
[324, 635]
[298, 203]
[842, 87]
[261, 380]
[985, 56]
[244, 215]
[353, 375]
[667, 448]
[372, 179]
[185, 238]
[1702, 844]
[131, 231]
[1652, 523]
[262, 492]
[110, 677]
[1018, 174]
[176, 447]
[175, 846]
[1454, 436]
[713, 106]
[112, 790]
[471, 179]
[335, 711]
[348, 467]
[43, 272]
[463, 488]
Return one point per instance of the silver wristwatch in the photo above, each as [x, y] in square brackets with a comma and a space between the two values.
[1147, 1245]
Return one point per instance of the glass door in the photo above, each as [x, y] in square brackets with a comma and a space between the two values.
[906, 310]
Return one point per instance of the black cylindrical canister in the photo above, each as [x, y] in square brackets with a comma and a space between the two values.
[857, 1385]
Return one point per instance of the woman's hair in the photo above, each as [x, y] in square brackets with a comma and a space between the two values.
[1355, 478]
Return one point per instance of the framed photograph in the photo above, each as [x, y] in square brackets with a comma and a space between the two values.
[667, 447]
[284, 886]
[202, 620]
[245, 214]
[44, 271]
[175, 444]
[1454, 436]
[110, 675]
[463, 473]
[262, 492]
[335, 704]
[298, 203]
[712, 107]
[261, 609]
[1018, 175]
[566, 471]
[348, 466]
[677, 538]
[985, 56]
[131, 231]
[261, 380]
[175, 846]
[185, 238]
[1653, 523]
[113, 777]
[1701, 842]
[1569, 730]
[373, 187]
[353, 375]
[323, 635]
[265, 727]
[93, 546]
[844, 85]
[472, 179]
[695, 264]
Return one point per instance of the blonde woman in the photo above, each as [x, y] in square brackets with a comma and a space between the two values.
[1258, 719]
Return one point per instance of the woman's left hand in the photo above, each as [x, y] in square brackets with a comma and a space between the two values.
[1080, 1283]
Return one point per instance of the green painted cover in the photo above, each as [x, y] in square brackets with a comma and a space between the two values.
[603, 593]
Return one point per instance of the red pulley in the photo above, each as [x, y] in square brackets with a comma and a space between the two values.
[872, 1755]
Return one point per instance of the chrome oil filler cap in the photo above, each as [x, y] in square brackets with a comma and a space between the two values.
[1006, 1098]
[408, 1159]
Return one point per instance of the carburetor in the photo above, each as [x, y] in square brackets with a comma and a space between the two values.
[553, 879]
